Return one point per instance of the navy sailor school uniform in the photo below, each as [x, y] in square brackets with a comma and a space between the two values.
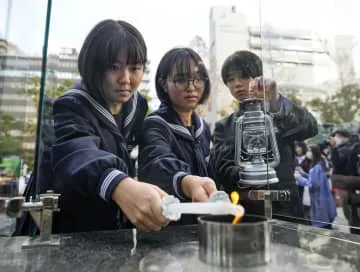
[168, 151]
[90, 156]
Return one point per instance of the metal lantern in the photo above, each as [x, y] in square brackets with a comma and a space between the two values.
[256, 149]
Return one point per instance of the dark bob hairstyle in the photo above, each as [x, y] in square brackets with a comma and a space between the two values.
[103, 46]
[248, 64]
[179, 59]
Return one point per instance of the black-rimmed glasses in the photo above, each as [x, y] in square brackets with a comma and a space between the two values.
[184, 83]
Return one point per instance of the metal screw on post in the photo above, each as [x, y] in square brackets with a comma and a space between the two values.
[42, 213]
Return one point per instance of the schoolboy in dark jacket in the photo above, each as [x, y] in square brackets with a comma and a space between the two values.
[292, 123]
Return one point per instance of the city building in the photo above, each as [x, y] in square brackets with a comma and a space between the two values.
[296, 59]
[17, 75]
[344, 58]
[228, 33]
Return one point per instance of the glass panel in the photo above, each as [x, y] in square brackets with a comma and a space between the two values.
[228, 33]
[312, 59]
[20, 63]
[235, 136]
[300, 61]
[60, 72]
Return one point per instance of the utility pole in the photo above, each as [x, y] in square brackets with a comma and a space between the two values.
[8, 17]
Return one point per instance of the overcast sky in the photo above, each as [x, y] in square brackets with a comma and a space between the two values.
[166, 23]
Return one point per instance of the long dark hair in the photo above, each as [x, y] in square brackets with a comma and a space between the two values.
[316, 154]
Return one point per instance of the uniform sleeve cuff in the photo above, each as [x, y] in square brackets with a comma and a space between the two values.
[177, 185]
[110, 179]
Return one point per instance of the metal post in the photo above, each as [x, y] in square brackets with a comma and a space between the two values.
[41, 94]
[268, 204]
[7, 23]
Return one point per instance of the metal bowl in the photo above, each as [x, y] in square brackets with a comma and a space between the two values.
[224, 244]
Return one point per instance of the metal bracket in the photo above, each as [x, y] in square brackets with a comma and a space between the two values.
[274, 195]
[42, 213]
[268, 196]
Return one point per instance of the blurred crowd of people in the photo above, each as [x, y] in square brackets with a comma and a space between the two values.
[328, 177]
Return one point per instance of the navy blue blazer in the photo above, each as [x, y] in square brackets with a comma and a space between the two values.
[90, 156]
[168, 150]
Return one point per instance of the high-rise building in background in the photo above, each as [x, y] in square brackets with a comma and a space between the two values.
[344, 58]
[296, 59]
[200, 46]
[16, 78]
[228, 33]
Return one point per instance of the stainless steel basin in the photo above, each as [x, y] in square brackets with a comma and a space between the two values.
[224, 244]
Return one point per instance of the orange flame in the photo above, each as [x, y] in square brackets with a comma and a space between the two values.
[235, 197]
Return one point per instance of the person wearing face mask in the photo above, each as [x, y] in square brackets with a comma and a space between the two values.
[309, 155]
[96, 124]
[302, 156]
[323, 210]
[325, 154]
[302, 161]
[243, 75]
[175, 140]
[300, 151]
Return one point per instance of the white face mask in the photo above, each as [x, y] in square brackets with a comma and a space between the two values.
[309, 155]
[339, 140]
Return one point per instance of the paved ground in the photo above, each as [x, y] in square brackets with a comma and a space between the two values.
[340, 222]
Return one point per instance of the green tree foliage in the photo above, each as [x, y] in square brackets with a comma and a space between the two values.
[341, 107]
[8, 144]
[293, 97]
[58, 88]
